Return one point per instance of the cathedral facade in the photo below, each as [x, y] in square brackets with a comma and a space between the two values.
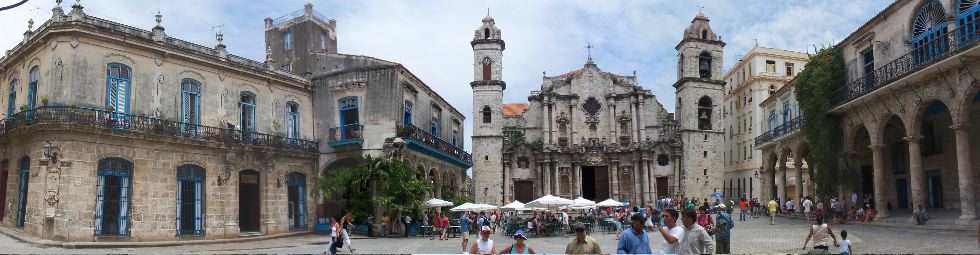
[597, 134]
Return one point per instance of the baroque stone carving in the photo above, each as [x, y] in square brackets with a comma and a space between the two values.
[348, 86]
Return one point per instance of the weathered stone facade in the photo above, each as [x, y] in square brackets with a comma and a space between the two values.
[91, 117]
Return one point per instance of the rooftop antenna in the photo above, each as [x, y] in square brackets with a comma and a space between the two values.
[756, 42]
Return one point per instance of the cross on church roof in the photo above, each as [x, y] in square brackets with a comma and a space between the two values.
[588, 46]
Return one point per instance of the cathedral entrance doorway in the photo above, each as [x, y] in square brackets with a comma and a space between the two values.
[662, 187]
[595, 183]
[523, 191]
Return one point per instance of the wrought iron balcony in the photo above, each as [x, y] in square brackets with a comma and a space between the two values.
[419, 139]
[943, 46]
[345, 135]
[149, 125]
[780, 131]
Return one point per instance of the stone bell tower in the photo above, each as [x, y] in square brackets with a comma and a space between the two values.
[699, 91]
[488, 88]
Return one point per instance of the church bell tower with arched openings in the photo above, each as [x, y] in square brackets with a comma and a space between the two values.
[699, 89]
[488, 90]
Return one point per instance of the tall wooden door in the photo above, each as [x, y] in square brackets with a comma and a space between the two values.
[662, 187]
[524, 191]
[601, 183]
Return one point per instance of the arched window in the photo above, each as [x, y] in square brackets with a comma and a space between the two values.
[704, 113]
[118, 77]
[112, 197]
[190, 104]
[704, 65]
[487, 114]
[929, 32]
[25, 180]
[292, 120]
[349, 118]
[296, 192]
[486, 33]
[190, 200]
[32, 87]
[486, 68]
[787, 112]
[407, 119]
[704, 33]
[12, 98]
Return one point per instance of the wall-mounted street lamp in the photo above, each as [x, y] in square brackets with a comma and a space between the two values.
[50, 151]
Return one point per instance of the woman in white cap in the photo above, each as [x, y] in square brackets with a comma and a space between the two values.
[519, 247]
[483, 245]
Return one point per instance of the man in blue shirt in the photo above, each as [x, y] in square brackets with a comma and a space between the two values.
[464, 227]
[634, 240]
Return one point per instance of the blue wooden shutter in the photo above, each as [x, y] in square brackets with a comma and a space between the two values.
[198, 209]
[12, 99]
[99, 200]
[124, 205]
[180, 187]
[302, 203]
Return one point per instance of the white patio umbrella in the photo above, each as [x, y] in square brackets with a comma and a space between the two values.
[485, 207]
[582, 202]
[464, 207]
[513, 206]
[436, 203]
[549, 202]
[609, 203]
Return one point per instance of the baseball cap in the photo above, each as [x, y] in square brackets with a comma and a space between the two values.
[485, 229]
[520, 233]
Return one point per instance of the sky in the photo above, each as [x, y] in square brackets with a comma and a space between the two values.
[431, 37]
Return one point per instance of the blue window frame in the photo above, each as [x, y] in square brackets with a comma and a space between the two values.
[25, 180]
[190, 105]
[12, 98]
[292, 120]
[454, 137]
[287, 40]
[407, 118]
[929, 32]
[296, 189]
[118, 79]
[436, 121]
[349, 117]
[772, 119]
[113, 197]
[247, 107]
[968, 13]
[787, 112]
[32, 87]
[190, 200]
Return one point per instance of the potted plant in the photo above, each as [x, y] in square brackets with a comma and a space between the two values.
[44, 100]
[405, 131]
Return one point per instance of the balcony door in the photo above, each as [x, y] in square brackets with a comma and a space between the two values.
[349, 117]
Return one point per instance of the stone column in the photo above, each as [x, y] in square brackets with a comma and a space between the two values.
[878, 162]
[506, 183]
[546, 171]
[798, 163]
[614, 181]
[967, 200]
[781, 180]
[647, 165]
[577, 181]
[916, 175]
[640, 183]
[555, 181]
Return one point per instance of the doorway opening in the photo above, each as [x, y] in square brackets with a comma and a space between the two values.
[249, 208]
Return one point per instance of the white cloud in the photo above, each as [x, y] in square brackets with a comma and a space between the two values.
[432, 37]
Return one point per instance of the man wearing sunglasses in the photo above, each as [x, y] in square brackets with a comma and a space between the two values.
[582, 244]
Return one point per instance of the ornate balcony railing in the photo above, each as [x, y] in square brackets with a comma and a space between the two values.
[149, 125]
[780, 131]
[345, 135]
[427, 139]
[964, 37]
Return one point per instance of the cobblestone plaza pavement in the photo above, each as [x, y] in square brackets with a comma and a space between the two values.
[754, 236]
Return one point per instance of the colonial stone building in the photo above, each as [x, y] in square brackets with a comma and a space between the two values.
[785, 145]
[596, 134]
[910, 107]
[116, 133]
[756, 76]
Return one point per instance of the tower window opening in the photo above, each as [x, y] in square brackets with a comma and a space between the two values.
[486, 33]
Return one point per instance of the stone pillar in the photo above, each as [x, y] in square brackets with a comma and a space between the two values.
[798, 163]
[577, 181]
[555, 181]
[781, 180]
[967, 200]
[614, 181]
[647, 164]
[539, 179]
[878, 162]
[506, 183]
[916, 175]
[546, 172]
[640, 183]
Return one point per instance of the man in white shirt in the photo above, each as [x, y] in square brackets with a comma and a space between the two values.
[671, 231]
[807, 210]
[564, 223]
[789, 206]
